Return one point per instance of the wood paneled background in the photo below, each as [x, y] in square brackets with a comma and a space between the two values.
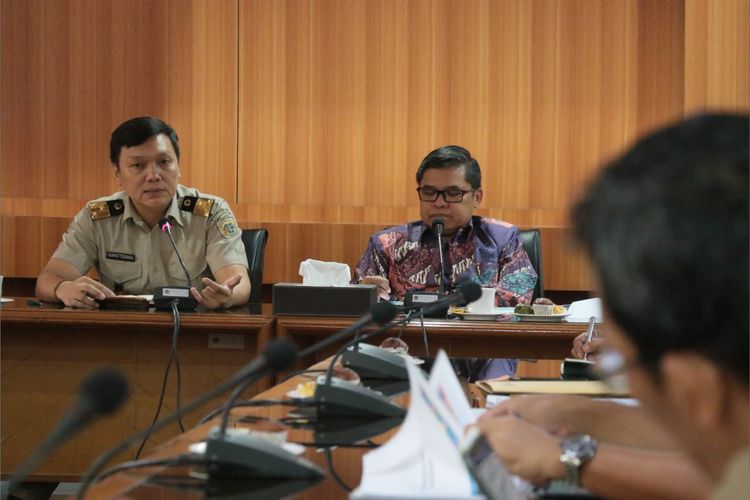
[311, 116]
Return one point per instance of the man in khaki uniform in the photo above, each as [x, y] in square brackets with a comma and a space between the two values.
[121, 237]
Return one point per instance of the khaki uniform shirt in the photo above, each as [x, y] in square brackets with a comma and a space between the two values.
[132, 258]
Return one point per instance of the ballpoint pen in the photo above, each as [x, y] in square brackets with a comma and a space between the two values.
[589, 334]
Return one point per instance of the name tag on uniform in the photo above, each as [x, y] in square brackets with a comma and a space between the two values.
[127, 257]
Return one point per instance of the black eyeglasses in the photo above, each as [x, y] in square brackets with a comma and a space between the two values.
[449, 195]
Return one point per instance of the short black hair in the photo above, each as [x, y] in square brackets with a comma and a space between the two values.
[138, 130]
[452, 157]
[666, 226]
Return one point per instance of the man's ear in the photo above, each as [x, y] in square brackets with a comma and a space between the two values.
[117, 170]
[478, 194]
[696, 387]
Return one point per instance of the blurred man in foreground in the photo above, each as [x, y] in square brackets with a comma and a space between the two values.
[666, 227]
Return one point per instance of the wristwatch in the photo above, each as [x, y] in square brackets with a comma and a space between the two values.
[576, 451]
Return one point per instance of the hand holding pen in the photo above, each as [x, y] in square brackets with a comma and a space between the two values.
[587, 342]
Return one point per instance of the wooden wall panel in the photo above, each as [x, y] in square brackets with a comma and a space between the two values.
[717, 66]
[73, 70]
[311, 116]
[540, 91]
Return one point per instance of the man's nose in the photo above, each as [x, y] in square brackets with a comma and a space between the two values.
[152, 172]
[440, 201]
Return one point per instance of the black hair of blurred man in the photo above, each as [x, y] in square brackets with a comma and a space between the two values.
[666, 227]
[136, 131]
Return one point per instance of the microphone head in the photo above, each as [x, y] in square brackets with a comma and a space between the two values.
[438, 224]
[103, 391]
[279, 354]
[470, 290]
[382, 312]
[165, 224]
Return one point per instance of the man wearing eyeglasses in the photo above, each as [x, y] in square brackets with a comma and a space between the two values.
[406, 257]
[666, 228]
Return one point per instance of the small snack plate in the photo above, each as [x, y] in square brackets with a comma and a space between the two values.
[483, 316]
[552, 318]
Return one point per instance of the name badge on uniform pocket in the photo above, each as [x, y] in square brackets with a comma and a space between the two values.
[126, 257]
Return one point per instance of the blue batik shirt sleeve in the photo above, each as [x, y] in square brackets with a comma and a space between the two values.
[517, 278]
[372, 263]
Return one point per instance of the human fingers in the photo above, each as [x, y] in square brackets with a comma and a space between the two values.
[82, 300]
[233, 281]
[592, 346]
[494, 412]
[198, 296]
[384, 287]
[527, 450]
[577, 351]
[210, 298]
[93, 291]
[212, 288]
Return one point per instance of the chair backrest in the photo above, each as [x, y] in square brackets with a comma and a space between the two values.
[532, 243]
[255, 247]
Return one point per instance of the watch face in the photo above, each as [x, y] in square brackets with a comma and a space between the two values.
[582, 446]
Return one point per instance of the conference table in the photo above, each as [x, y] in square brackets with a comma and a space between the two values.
[46, 351]
[341, 462]
[458, 337]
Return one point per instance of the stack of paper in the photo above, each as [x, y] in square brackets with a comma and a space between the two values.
[423, 460]
[580, 387]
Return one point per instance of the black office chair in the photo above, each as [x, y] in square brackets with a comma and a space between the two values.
[255, 247]
[532, 243]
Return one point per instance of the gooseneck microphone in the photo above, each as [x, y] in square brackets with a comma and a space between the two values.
[166, 227]
[334, 397]
[380, 313]
[466, 291]
[373, 362]
[101, 393]
[278, 355]
[438, 225]
[179, 295]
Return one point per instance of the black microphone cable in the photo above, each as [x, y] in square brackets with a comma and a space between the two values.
[334, 474]
[173, 356]
[277, 355]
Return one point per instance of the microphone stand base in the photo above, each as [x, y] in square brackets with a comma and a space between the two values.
[373, 362]
[164, 296]
[251, 456]
[344, 399]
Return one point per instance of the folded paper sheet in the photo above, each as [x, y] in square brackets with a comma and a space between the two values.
[581, 310]
[423, 460]
[318, 272]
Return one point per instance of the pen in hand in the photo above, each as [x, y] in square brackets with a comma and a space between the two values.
[589, 334]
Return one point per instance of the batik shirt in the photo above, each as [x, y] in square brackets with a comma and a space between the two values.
[486, 250]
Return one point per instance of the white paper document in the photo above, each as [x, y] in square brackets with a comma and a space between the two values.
[423, 460]
[581, 310]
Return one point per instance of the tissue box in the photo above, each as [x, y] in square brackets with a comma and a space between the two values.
[314, 300]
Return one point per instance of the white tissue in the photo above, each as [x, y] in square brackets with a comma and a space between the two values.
[317, 272]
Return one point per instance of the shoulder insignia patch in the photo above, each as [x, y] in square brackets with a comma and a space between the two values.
[197, 206]
[103, 209]
[228, 227]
